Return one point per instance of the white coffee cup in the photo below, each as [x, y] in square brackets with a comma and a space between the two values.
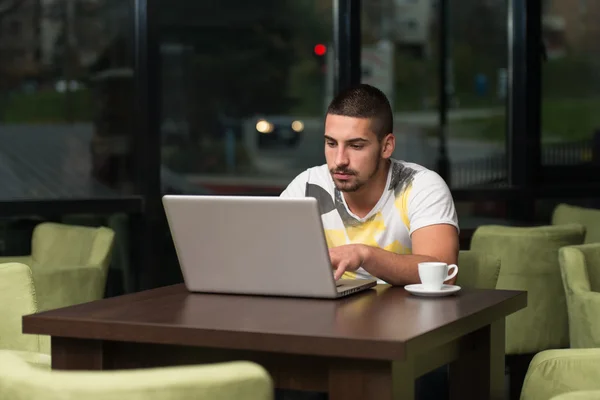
[434, 274]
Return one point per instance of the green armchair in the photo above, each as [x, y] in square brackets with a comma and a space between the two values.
[580, 270]
[239, 380]
[17, 298]
[553, 373]
[529, 257]
[69, 263]
[477, 270]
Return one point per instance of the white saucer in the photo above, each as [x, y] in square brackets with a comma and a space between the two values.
[418, 290]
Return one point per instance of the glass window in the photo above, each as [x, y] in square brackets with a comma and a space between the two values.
[243, 93]
[476, 213]
[401, 56]
[571, 82]
[66, 100]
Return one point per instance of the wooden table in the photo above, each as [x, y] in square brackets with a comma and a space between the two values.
[371, 345]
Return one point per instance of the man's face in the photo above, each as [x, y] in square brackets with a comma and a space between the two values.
[352, 151]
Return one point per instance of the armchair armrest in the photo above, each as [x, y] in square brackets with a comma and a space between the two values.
[239, 380]
[19, 259]
[36, 359]
[554, 372]
[67, 286]
[584, 324]
[579, 395]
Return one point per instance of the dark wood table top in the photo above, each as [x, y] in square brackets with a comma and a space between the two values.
[382, 323]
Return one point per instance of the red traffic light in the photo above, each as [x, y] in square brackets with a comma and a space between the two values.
[320, 49]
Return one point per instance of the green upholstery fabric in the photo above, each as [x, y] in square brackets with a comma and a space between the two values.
[240, 380]
[69, 263]
[120, 273]
[477, 270]
[17, 298]
[70, 245]
[580, 270]
[588, 217]
[579, 395]
[554, 372]
[529, 258]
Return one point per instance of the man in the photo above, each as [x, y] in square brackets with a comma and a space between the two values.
[381, 216]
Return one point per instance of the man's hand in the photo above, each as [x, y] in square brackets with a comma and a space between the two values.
[349, 257]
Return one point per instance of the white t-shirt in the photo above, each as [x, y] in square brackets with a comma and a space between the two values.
[415, 197]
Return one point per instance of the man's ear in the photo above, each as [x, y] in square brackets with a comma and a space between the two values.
[388, 145]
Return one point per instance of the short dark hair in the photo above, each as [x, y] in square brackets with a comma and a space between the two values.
[365, 101]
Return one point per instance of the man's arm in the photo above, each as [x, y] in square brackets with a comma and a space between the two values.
[434, 236]
[430, 243]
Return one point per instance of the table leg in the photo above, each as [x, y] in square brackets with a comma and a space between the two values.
[77, 354]
[381, 380]
[479, 371]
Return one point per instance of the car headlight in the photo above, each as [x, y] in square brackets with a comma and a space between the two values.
[298, 126]
[264, 126]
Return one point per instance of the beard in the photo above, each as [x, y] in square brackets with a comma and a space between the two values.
[354, 183]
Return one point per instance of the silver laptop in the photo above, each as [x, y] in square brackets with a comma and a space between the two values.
[254, 245]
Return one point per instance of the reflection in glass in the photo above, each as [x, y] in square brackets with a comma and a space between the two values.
[401, 56]
[571, 83]
[65, 99]
[243, 89]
